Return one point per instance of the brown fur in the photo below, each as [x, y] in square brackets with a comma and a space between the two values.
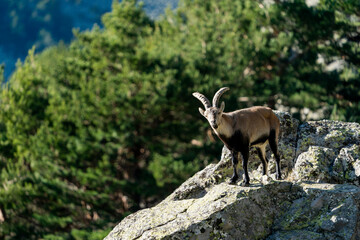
[253, 122]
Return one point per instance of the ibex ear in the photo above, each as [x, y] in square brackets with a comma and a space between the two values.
[222, 107]
[201, 111]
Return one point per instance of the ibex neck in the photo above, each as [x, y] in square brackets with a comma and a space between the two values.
[225, 127]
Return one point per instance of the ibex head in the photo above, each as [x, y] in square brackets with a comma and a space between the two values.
[212, 113]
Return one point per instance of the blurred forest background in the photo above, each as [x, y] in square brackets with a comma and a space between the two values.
[43, 23]
[93, 130]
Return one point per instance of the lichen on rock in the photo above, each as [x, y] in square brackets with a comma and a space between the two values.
[314, 164]
[346, 167]
[328, 151]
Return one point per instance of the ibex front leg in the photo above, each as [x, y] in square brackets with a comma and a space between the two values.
[235, 161]
[245, 155]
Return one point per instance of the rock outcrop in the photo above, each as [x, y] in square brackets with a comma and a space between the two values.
[328, 151]
[318, 199]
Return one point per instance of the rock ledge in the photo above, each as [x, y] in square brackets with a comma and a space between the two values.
[319, 199]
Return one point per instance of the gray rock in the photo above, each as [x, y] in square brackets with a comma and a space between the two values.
[346, 166]
[308, 204]
[223, 212]
[217, 210]
[328, 151]
[330, 134]
[327, 209]
[314, 164]
[296, 235]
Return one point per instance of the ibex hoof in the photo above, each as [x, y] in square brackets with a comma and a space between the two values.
[233, 180]
[245, 184]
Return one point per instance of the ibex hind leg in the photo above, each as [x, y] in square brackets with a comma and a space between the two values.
[264, 160]
[274, 148]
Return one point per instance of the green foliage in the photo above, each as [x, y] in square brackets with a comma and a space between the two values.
[169, 172]
[93, 131]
